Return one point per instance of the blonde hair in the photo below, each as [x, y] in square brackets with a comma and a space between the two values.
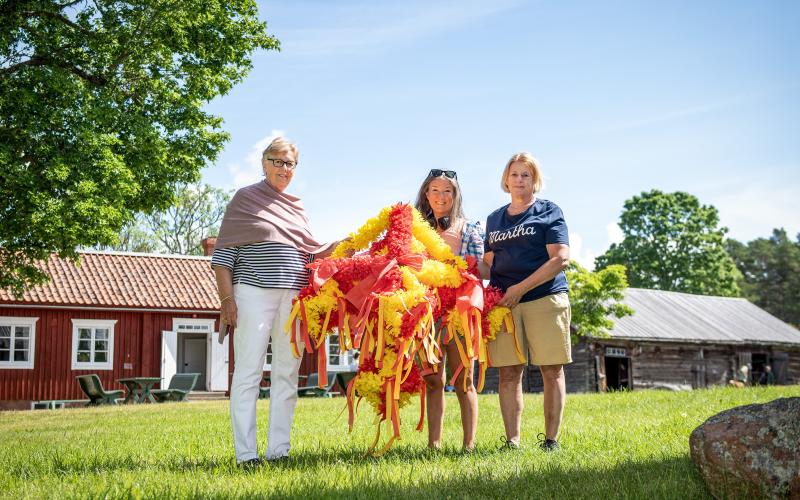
[422, 205]
[280, 145]
[529, 161]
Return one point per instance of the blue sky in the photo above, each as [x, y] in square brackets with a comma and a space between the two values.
[614, 98]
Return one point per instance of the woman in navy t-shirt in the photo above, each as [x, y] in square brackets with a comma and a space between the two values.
[527, 247]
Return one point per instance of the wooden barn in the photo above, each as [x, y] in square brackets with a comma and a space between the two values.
[681, 341]
[117, 315]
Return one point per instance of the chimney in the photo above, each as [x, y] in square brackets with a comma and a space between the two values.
[208, 245]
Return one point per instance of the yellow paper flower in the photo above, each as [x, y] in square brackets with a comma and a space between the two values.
[360, 239]
[438, 274]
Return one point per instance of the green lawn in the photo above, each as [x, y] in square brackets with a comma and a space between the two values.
[621, 445]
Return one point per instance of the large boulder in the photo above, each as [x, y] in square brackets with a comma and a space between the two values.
[751, 451]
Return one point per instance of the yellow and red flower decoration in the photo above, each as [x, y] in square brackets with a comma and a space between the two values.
[390, 302]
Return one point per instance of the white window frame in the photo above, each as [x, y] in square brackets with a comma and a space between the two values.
[14, 322]
[268, 357]
[93, 324]
[616, 352]
[346, 361]
[207, 323]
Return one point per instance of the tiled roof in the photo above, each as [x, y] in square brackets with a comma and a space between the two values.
[680, 317]
[125, 280]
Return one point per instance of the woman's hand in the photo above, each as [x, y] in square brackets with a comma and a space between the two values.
[229, 312]
[513, 295]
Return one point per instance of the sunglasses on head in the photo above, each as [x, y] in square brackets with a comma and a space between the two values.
[435, 172]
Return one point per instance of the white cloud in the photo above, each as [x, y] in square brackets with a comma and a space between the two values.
[615, 234]
[578, 254]
[756, 208]
[249, 171]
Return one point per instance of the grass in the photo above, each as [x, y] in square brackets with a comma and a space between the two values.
[619, 445]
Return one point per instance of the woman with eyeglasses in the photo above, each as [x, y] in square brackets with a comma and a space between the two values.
[528, 249]
[259, 260]
[439, 201]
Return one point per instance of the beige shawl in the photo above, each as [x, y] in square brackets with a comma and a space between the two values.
[259, 212]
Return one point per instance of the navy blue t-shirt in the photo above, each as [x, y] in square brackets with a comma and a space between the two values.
[518, 243]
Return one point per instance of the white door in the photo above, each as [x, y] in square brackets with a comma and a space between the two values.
[169, 357]
[217, 379]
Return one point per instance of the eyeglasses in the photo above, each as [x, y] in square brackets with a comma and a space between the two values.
[280, 163]
[435, 172]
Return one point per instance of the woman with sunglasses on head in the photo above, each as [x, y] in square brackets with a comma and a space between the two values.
[259, 260]
[439, 201]
[528, 249]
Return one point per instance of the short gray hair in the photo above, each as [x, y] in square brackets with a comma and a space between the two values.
[280, 145]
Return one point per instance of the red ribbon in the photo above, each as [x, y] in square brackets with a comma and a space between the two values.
[412, 260]
[322, 271]
[469, 294]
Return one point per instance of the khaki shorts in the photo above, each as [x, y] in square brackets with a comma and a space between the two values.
[542, 330]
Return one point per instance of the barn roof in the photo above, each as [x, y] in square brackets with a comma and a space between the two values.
[682, 317]
[125, 280]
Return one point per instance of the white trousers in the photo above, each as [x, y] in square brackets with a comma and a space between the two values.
[262, 313]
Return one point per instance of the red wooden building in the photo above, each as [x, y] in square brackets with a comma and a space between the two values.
[118, 315]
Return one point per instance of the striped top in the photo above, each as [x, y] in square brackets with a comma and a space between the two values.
[266, 265]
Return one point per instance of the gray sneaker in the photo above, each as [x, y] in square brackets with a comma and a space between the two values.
[508, 444]
[547, 444]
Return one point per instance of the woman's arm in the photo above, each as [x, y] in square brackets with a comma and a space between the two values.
[559, 259]
[228, 309]
[328, 251]
[483, 269]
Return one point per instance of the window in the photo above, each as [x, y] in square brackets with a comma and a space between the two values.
[17, 342]
[338, 359]
[93, 344]
[268, 359]
[616, 352]
[192, 325]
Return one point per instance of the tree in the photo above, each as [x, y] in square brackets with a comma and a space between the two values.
[101, 114]
[595, 297]
[134, 237]
[196, 213]
[672, 242]
[770, 269]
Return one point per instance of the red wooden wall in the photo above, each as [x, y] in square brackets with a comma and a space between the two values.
[137, 341]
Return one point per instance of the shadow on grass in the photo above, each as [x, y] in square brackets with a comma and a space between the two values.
[532, 477]
[487, 473]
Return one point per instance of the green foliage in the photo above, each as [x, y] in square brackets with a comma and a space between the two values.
[134, 237]
[770, 269]
[595, 297]
[185, 450]
[673, 243]
[101, 114]
[195, 214]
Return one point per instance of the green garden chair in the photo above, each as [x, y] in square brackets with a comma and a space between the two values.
[263, 392]
[91, 385]
[179, 387]
[311, 388]
[344, 378]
